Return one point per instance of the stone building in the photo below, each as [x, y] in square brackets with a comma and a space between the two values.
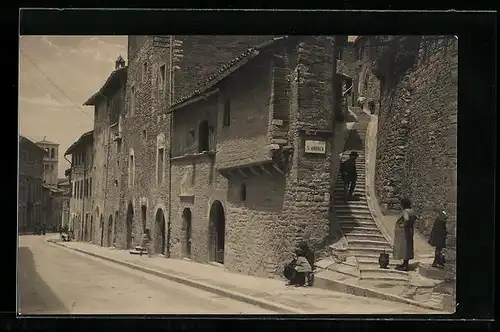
[81, 218]
[30, 185]
[250, 167]
[152, 82]
[50, 161]
[417, 127]
[108, 160]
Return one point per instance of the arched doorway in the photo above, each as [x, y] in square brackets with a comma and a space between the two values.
[217, 232]
[130, 220]
[110, 231]
[159, 244]
[144, 215]
[186, 218]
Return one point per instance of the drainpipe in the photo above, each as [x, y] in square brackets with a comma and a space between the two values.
[170, 134]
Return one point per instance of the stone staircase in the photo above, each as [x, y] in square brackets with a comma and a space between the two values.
[364, 239]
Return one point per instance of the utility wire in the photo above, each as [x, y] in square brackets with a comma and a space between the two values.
[55, 85]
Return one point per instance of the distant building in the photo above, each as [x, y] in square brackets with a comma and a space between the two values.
[81, 222]
[50, 161]
[52, 207]
[65, 185]
[30, 185]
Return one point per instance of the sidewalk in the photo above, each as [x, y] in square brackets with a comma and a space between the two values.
[269, 293]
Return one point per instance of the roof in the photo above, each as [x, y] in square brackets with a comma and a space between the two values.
[88, 136]
[44, 141]
[111, 83]
[25, 140]
[222, 72]
[52, 188]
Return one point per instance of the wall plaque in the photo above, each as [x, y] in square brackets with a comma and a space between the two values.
[312, 146]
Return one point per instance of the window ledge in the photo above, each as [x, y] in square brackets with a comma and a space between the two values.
[194, 155]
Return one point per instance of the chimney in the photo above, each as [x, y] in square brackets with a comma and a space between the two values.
[119, 63]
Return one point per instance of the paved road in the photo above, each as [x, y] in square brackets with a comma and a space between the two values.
[53, 280]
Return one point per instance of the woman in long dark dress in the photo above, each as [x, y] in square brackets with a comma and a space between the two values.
[403, 235]
[437, 238]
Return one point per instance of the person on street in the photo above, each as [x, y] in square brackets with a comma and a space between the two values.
[311, 259]
[403, 235]
[349, 175]
[297, 270]
[437, 239]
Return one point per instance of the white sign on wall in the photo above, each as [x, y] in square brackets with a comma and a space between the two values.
[315, 147]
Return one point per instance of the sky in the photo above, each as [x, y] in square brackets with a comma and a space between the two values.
[57, 75]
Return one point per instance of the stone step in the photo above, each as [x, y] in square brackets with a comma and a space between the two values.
[369, 243]
[377, 270]
[385, 277]
[363, 236]
[372, 263]
[351, 205]
[353, 211]
[373, 229]
[371, 250]
[373, 256]
[353, 223]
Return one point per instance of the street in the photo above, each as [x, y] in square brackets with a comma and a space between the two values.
[56, 281]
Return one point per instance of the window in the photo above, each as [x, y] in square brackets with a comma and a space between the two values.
[144, 72]
[161, 75]
[161, 156]
[226, 116]
[51, 167]
[203, 137]
[131, 171]
[118, 146]
[45, 166]
[132, 101]
[90, 187]
[52, 153]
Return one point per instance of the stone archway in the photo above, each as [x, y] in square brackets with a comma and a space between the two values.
[217, 230]
[110, 231]
[159, 241]
[187, 226]
[130, 220]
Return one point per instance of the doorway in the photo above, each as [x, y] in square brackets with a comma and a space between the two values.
[101, 225]
[160, 233]
[110, 231]
[130, 220]
[186, 218]
[217, 232]
[144, 214]
[203, 137]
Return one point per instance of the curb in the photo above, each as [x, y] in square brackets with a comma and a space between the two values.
[343, 287]
[195, 284]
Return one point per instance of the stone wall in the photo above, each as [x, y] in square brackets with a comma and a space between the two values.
[245, 140]
[416, 144]
[367, 84]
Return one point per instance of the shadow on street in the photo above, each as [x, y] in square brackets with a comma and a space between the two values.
[34, 295]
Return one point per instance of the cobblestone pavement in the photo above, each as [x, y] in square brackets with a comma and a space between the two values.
[56, 281]
[309, 300]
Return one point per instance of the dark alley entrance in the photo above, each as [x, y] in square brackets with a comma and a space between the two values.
[186, 218]
[159, 241]
[217, 232]
[130, 220]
